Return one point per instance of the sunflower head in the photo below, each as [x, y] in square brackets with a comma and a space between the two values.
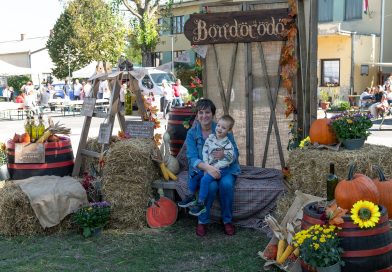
[365, 214]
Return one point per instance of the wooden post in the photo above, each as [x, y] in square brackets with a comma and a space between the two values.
[249, 104]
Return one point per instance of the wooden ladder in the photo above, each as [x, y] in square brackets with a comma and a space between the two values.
[113, 110]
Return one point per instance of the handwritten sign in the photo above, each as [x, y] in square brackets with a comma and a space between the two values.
[235, 27]
[88, 106]
[139, 129]
[29, 153]
[105, 131]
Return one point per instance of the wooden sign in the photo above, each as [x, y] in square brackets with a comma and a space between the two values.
[139, 129]
[235, 27]
[88, 106]
[29, 153]
[105, 131]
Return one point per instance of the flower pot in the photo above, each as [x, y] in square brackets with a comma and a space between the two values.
[353, 144]
[332, 268]
[4, 174]
[324, 105]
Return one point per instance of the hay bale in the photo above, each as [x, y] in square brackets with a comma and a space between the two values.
[18, 218]
[126, 181]
[309, 168]
[90, 164]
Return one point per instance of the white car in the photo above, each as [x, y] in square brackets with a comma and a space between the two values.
[152, 81]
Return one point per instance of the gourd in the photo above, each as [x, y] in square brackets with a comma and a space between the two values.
[321, 132]
[25, 138]
[170, 161]
[355, 187]
[384, 186]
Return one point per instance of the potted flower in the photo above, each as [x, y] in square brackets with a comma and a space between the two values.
[324, 97]
[92, 218]
[319, 247]
[352, 129]
[4, 174]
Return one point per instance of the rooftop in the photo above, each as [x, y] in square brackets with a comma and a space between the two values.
[23, 45]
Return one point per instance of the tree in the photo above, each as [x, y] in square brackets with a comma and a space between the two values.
[87, 30]
[144, 33]
[17, 82]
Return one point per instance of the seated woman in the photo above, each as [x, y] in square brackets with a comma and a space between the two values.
[381, 105]
[366, 98]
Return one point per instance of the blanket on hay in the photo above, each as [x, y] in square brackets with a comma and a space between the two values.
[255, 194]
[53, 198]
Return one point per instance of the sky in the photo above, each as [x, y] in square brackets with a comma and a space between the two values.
[32, 17]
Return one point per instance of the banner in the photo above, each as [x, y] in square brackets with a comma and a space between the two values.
[184, 57]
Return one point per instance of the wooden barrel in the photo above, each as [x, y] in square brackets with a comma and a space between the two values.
[58, 161]
[175, 126]
[364, 249]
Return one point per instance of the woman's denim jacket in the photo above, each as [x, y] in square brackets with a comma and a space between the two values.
[194, 144]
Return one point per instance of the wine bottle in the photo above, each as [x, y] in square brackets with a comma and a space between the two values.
[332, 181]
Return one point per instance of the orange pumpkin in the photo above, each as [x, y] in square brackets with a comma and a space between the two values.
[25, 138]
[355, 187]
[384, 186]
[162, 213]
[321, 132]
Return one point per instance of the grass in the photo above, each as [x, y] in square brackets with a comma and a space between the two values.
[175, 248]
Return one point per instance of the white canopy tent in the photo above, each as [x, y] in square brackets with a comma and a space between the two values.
[85, 72]
[8, 69]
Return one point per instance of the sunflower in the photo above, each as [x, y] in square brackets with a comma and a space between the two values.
[365, 214]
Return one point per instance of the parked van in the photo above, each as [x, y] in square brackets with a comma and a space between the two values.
[152, 81]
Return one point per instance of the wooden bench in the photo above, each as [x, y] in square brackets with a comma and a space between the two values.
[169, 188]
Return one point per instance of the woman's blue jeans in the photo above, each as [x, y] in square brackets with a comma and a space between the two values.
[225, 187]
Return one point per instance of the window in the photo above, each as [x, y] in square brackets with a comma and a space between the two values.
[177, 24]
[325, 10]
[146, 82]
[353, 10]
[178, 53]
[160, 26]
[330, 72]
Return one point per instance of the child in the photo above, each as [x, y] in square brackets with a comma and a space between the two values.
[215, 142]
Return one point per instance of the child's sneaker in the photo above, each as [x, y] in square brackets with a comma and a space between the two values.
[198, 209]
[189, 200]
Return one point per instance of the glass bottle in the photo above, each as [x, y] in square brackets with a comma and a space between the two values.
[33, 133]
[40, 127]
[332, 181]
[27, 125]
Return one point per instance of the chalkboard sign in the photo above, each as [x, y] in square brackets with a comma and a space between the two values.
[139, 129]
[29, 153]
[88, 106]
[104, 133]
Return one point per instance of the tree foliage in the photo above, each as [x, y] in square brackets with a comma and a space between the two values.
[87, 30]
[17, 82]
[144, 33]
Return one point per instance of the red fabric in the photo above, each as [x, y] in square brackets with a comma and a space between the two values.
[176, 90]
[201, 230]
[19, 99]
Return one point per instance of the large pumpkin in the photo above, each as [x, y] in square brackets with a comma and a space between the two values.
[321, 132]
[355, 187]
[162, 213]
[384, 186]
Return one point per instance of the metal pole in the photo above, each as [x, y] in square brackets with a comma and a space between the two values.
[172, 54]
[69, 65]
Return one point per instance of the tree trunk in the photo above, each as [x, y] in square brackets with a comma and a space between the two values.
[146, 57]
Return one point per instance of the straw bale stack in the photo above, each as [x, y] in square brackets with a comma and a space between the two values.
[309, 169]
[18, 218]
[127, 176]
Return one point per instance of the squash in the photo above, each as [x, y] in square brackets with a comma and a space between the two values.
[384, 186]
[25, 138]
[321, 132]
[355, 187]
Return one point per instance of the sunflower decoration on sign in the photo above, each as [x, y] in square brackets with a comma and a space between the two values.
[365, 214]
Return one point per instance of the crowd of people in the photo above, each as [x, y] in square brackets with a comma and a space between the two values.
[377, 99]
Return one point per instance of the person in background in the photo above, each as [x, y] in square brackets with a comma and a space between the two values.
[381, 102]
[6, 93]
[168, 97]
[103, 87]
[44, 99]
[177, 100]
[67, 88]
[20, 98]
[366, 98]
[77, 89]
[30, 102]
[11, 90]
[123, 91]
[87, 89]
[194, 142]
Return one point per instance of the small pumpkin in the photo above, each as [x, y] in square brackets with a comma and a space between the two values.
[25, 138]
[270, 251]
[321, 132]
[355, 187]
[384, 186]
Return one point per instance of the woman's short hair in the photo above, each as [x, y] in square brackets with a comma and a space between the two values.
[204, 104]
